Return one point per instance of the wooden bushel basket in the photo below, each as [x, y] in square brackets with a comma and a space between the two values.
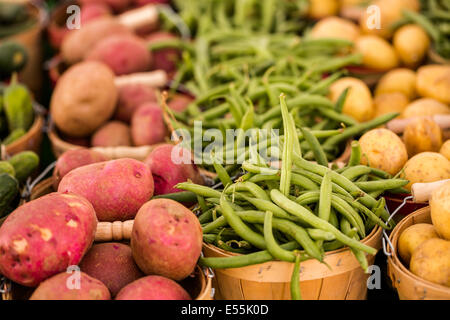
[31, 140]
[198, 285]
[408, 285]
[271, 280]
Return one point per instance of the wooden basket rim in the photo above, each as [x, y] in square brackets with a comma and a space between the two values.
[395, 262]
[36, 129]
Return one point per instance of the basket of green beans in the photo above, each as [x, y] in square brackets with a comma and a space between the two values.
[297, 213]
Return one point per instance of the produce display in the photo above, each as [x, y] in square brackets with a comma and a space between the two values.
[226, 150]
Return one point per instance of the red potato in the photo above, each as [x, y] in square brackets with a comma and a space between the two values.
[147, 125]
[171, 165]
[45, 236]
[73, 159]
[131, 96]
[71, 286]
[78, 43]
[144, 2]
[93, 11]
[112, 134]
[166, 239]
[164, 59]
[179, 102]
[124, 54]
[116, 5]
[112, 263]
[153, 288]
[116, 188]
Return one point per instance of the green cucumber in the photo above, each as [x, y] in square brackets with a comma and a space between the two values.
[24, 164]
[18, 107]
[9, 189]
[13, 136]
[13, 57]
[6, 167]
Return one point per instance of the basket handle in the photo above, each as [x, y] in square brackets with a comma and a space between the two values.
[421, 192]
[141, 17]
[117, 231]
[156, 79]
[399, 125]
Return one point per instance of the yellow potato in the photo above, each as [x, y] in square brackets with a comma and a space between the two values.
[383, 149]
[425, 107]
[390, 102]
[445, 149]
[378, 54]
[422, 134]
[426, 167]
[386, 13]
[412, 237]
[411, 53]
[431, 261]
[335, 27]
[433, 81]
[322, 8]
[440, 210]
[398, 80]
[359, 102]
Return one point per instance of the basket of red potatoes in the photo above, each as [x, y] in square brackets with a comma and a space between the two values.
[53, 246]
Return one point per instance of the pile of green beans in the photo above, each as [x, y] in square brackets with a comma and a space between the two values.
[296, 212]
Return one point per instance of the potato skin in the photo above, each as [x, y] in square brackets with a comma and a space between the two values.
[55, 288]
[80, 104]
[378, 54]
[77, 43]
[421, 135]
[319, 9]
[164, 59]
[153, 288]
[411, 53]
[426, 167]
[43, 237]
[168, 172]
[445, 149]
[131, 97]
[124, 54]
[440, 210]
[359, 102]
[116, 188]
[112, 134]
[398, 80]
[72, 159]
[433, 81]
[179, 102]
[147, 125]
[112, 263]
[425, 107]
[431, 261]
[390, 102]
[383, 149]
[166, 239]
[412, 237]
[335, 27]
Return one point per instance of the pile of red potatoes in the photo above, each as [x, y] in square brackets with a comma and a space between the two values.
[89, 107]
[41, 239]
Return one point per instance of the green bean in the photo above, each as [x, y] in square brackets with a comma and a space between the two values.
[199, 189]
[359, 255]
[251, 187]
[285, 173]
[308, 217]
[425, 23]
[314, 144]
[183, 196]
[222, 174]
[325, 197]
[239, 226]
[318, 179]
[265, 205]
[202, 203]
[354, 172]
[288, 227]
[218, 223]
[355, 156]
[341, 101]
[239, 261]
[295, 280]
[338, 117]
[317, 234]
[333, 218]
[257, 169]
[206, 216]
[272, 246]
[381, 185]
